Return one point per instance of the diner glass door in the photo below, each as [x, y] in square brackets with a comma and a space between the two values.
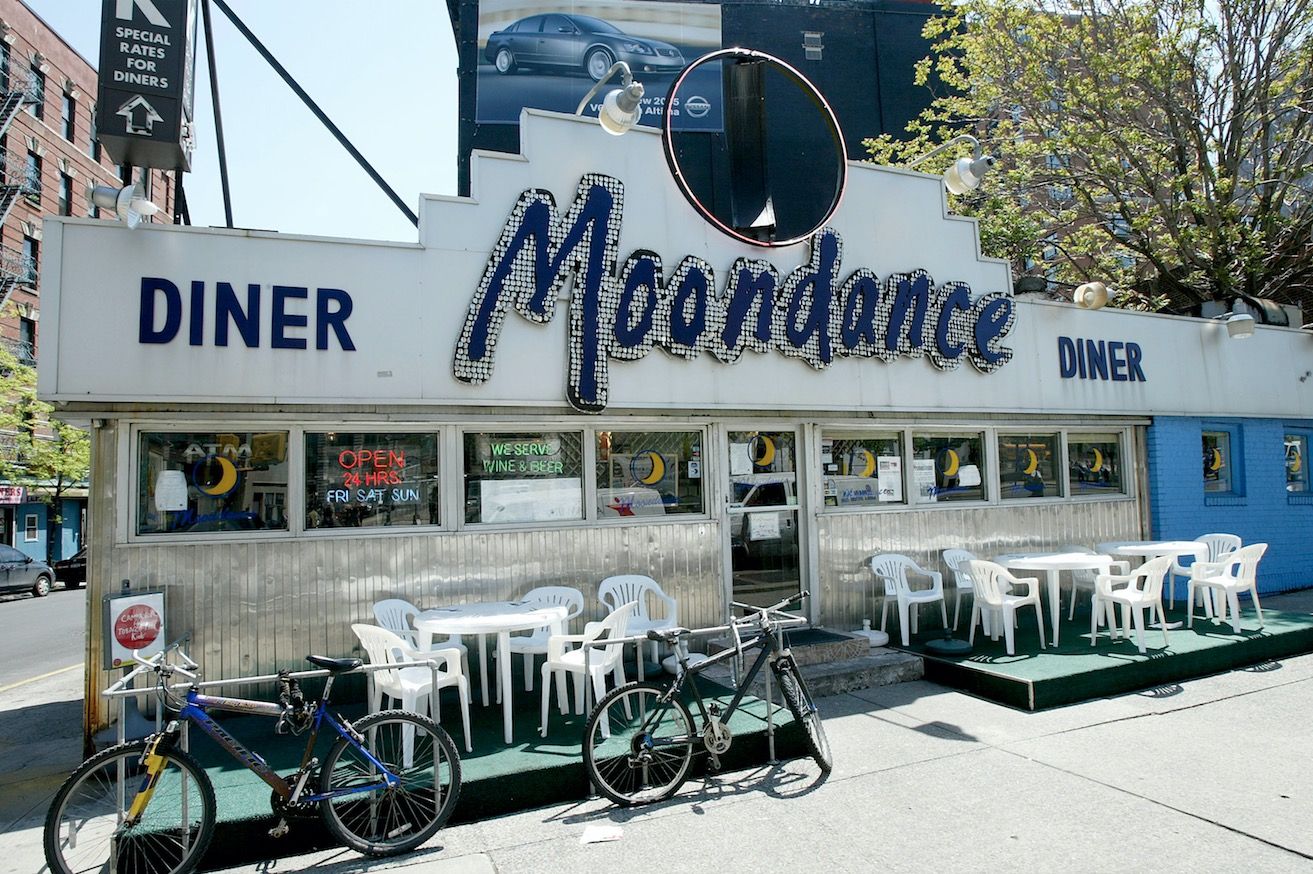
[762, 515]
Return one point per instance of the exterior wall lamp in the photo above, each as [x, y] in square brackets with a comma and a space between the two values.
[964, 174]
[1088, 295]
[619, 110]
[128, 203]
[1238, 325]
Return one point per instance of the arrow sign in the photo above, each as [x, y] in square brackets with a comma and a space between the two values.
[129, 112]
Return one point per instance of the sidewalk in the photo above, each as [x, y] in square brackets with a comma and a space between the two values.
[1211, 772]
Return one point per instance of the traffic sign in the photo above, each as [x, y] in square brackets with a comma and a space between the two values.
[147, 77]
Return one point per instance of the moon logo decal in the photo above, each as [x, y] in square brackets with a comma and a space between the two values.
[868, 463]
[214, 476]
[653, 476]
[1032, 462]
[1215, 460]
[1296, 463]
[949, 462]
[763, 450]
[1098, 461]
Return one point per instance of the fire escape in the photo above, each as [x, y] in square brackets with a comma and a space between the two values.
[17, 179]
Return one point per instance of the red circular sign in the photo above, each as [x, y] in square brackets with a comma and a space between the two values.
[137, 627]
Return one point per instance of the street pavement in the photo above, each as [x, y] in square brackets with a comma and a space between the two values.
[1208, 773]
[39, 635]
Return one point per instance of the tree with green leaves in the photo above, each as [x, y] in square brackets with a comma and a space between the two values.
[39, 452]
[1163, 145]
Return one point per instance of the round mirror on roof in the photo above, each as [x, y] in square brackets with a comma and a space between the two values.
[754, 147]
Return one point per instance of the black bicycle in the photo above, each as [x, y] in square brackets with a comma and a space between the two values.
[640, 738]
[386, 785]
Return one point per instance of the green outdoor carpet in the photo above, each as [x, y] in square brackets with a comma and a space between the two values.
[496, 779]
[1036, 679]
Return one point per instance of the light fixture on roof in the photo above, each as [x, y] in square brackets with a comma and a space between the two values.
[1091, 295]
[964, 174]
[1238, 325]
[620, 108]
[128, 203]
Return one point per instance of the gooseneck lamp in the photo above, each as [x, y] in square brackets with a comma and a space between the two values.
[620, 108]
[964, 174]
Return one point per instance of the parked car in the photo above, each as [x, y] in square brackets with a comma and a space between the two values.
[577, 42]
[72, 571]
[22, 573]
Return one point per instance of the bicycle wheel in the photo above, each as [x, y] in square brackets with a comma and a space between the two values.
[799, 700]
[386, 821]
[637, 748]
[84, 829]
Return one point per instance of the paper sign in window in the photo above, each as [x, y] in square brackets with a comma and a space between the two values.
[171, 491]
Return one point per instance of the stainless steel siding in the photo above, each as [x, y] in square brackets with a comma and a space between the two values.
[254, 607]
[848, 592]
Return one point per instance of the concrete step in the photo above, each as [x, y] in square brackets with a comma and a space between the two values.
[832, 667]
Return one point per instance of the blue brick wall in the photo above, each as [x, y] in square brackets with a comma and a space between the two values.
[1262, 512]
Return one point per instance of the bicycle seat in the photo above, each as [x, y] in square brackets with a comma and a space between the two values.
[334, 665]
[665, 635]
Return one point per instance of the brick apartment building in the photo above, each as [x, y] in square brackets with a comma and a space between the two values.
[49, 158]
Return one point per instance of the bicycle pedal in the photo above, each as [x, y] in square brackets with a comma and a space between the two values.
[280, 830]
[713, 762]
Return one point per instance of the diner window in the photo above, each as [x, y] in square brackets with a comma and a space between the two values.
[649, 473]
[865, 471]
[202, 482]
[1094, 464]
[948, 466]
[1028, 466]
[371, 480]
[1218, 462]
[1297, 476]
[523, 476]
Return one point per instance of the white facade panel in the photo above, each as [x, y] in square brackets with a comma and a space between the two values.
[409, 302]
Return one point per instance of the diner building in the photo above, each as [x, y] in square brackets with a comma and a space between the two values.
[571, 374]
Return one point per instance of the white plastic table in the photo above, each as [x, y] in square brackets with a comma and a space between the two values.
[1148, 549]
[1052, 563]
[490, 617]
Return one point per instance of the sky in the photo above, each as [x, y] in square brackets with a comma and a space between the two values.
[384, 72]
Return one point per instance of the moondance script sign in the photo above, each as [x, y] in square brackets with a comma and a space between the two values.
[622, 313]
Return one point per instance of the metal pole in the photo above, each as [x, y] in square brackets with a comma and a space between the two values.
[770, 719]
[218, 118]
[319, 113]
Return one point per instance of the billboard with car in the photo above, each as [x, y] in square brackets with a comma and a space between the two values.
[547, 55]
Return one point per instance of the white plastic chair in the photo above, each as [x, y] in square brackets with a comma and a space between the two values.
[601, 660]
[1087, 577]
[1219, 547]
[637, 589]
[956, 561]
[413, 685]
[398, 616]
[1235, 573]
[994, 585]
[893, 570]
[1140, 590]
[535, 643]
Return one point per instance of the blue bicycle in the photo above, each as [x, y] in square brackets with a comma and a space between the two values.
[387, 784]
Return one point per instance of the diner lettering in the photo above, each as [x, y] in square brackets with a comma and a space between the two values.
[284, 313]
[623, 310]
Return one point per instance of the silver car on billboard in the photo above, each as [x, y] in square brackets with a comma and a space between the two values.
[565, 43]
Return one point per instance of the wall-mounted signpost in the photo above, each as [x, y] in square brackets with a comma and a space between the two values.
[147, 70]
